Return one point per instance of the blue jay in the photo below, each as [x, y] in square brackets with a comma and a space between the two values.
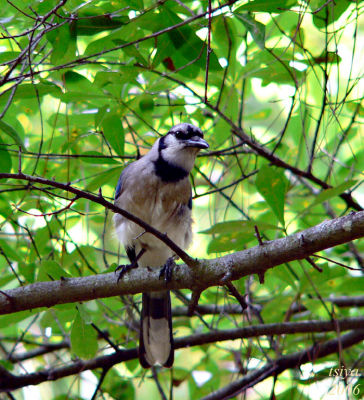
[156, 188]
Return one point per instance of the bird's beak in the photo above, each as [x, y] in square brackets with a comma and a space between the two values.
[197, 142]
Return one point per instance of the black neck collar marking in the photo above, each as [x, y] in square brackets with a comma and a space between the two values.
[165, 170]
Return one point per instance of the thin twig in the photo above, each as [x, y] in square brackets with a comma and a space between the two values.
[237, 295]
[208, 51]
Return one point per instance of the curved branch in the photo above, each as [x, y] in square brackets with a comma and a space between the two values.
[10, 382]
[101, 200]
[203, 274]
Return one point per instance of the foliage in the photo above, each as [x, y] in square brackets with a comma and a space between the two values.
[88, 86]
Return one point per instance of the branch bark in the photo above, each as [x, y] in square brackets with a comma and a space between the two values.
[204, 274]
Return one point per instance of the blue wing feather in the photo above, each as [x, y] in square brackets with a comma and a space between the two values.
[119, 186]
[189, 204]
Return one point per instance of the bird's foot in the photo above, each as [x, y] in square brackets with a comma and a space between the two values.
[167, 269]
[124, 269]
[134, 263]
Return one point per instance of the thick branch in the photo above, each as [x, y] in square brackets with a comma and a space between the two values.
[251, 331]
[205, 273]
[286, 362]
[12, 382]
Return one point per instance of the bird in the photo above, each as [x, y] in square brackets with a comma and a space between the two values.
[156, 188]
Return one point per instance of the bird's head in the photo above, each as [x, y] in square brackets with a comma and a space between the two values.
[181, 145]
[186, 135]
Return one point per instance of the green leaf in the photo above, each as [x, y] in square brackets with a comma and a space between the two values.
[278, 72]
[84, 314]
[327, 56]
[51, 270]
[269, 6]
[327, 13]
[83, 338]
[28, 271]
[256, 29]
[12, 254]
[11, 319]
[8, 56]
[114, 133]
[228, 242]
[146, 104]
[117, 387]
[64, 45]
[292, 394]
[91, 24]
[5, 208]
[316, 308]
[79, 88]
[110, 176]
[77, 82]
[30, 91]
[332, 192]
[190, 48]
[74, 122]
[272, 185]
[5, 159]
[97, 158]
[238, 226]
[132, 52]
[136, 4]
[127, 75]
[11, 132]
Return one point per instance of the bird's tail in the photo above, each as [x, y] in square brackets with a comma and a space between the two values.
[156, 339]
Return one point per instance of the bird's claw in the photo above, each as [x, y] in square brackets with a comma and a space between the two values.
[166, 270]
[123, 270]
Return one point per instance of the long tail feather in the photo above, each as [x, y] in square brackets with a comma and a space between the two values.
[156, 339]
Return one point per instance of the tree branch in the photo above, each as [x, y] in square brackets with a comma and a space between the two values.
[10, 382]
[207, 309]
[204, 274]
[279, 365]
[101, 200]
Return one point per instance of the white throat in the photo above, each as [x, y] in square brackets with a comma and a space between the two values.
[184, 158]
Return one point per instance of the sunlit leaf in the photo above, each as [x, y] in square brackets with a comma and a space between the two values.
[272, 185]
[114, 132]
[11, 132]
[51, 270]
[95, 157]
[335, 191]
[228, 242]
[238, 226]
[256, 28]
[271, 6]
[83, 338]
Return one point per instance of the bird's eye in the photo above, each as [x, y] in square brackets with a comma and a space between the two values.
[179, 135]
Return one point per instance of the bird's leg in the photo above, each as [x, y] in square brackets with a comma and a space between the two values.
[167, 269]
[128, 267]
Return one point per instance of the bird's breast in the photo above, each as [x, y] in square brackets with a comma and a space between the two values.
[163, 206]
